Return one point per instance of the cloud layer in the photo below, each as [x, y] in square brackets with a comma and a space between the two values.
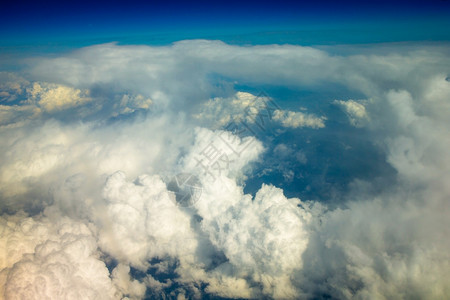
[91, 138]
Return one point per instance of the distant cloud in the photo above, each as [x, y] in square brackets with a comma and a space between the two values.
[221, 111]
[356, 111]
[293, 119]
[51, 97]
[246, 107]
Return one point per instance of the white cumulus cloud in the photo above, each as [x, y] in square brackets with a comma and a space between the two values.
[356, 111]
[91, 138]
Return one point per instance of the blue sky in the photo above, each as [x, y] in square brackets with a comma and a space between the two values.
[154, 22]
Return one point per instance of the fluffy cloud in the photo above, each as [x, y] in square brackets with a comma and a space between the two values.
[249, 108]
[88, 154]
[387, 246]
[147, 222]
[53, 259]
[356, 111]
[256, 237]
[228, 110]
[51, 97]
[293, 119]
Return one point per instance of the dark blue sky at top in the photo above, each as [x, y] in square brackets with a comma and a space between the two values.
[159, 22]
